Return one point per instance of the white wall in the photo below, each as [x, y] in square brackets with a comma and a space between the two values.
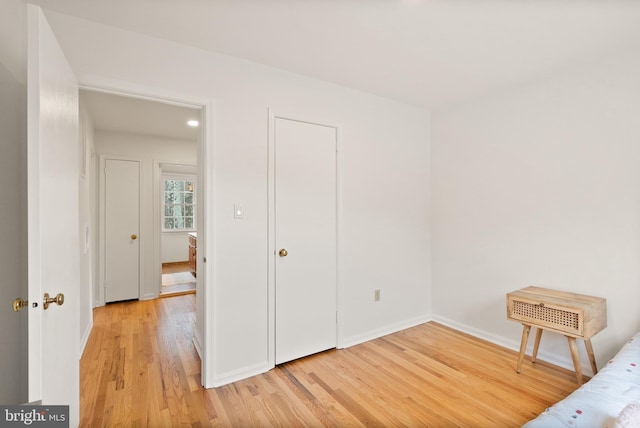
[175, 247]
[146, 149]
[540, 185]
[385, 169]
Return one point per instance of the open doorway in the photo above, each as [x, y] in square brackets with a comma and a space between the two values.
[162, 140]
[177, 278]
[179, 228]
[148, 99]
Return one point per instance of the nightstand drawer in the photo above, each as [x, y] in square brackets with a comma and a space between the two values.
[562, 319]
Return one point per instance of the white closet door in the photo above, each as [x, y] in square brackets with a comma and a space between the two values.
[305, 209]
[122, 223]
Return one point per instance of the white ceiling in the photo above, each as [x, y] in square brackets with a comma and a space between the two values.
[137, 116]
[430, 53]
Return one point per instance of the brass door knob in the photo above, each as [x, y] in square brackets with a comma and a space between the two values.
[18, 304]
[134, 237]
[283, 253]
[46, 301]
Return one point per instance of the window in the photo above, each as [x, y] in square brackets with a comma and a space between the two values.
[179, 204]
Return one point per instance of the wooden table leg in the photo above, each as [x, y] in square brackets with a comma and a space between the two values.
[592, 357]
[536, 345]
[523, 345]
[576, 359]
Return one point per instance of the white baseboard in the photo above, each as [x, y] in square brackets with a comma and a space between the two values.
[247, 372]
[552, 358]
[240, 374]
[389, 329]
[197, 342]
[150, 296]
[85, 337]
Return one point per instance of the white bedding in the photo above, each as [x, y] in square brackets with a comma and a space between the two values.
[598, 402]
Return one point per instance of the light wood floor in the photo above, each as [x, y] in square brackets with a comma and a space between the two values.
[175, 267]
[140, 368]
[177, 279]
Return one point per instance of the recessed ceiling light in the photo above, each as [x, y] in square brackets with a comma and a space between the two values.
[193, 123]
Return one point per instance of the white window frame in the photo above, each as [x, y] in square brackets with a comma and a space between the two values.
[181, 177]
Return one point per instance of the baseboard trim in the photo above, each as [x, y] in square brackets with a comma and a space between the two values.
[197, 342]
[149, 296]
[247, 372]
[85, 337]
[240, 374]
[551, 358]
[380, 332]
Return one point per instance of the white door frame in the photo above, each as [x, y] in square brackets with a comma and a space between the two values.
[205, 344]
[102, 226]
[271, 236]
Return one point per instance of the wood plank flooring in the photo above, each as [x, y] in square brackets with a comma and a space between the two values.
[177, 279]
[140, 369]
[175, 267]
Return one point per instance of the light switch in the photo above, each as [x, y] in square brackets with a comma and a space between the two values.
[238, 212]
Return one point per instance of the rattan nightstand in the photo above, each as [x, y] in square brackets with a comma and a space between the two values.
[573, 315]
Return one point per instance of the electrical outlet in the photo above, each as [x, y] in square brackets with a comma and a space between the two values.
[376, 296]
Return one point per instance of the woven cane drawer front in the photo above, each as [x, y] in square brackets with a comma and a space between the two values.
[561, 319]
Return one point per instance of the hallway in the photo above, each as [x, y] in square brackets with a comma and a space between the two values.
[140, 367]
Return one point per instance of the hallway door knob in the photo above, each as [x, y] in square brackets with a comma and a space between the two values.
[18, 304]
[46, 301]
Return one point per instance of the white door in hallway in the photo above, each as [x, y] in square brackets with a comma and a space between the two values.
[52, 220]
[306, 241]
[122, 225]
